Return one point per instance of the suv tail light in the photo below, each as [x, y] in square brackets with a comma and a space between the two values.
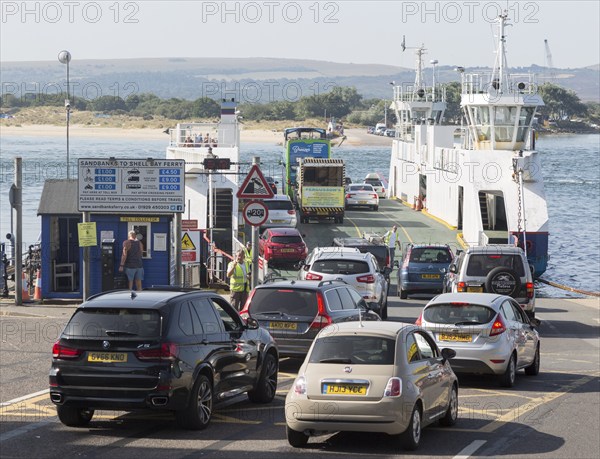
[461, 287]
[375, 195]
[312, 276]
[322, 319]
[498, 326]
[291, 212]
[368, 279]
[63, 352]
[419, 320]
[529, 286]
[393, 388]
[166, 351]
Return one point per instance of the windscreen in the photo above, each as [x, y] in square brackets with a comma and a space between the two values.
[430, 255]
[279, 205]
[114, 322]
[286, 239]
[360, 188]
[288, 301]
[361, 350]
[458, 314]
[344, 267]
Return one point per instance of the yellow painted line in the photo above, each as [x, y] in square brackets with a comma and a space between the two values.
[229, 420]
[495, 393]
[485, 412]
[287, 375]
[526, 397]
[439, 220]
[517, 413]
[355, 226]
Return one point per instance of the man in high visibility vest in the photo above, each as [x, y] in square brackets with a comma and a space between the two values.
[391, 239]
[248, 253]
[238, 272]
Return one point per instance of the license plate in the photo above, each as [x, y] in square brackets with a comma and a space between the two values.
[475, 289]
[277, 221]
[430, 276]
[287, 250]
[345, 389]
[452, 337]
[283, 325]
[362, 202]
[107, 357]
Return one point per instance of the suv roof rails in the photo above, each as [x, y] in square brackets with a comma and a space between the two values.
[331, 281]
[276, 278]
[173, 288]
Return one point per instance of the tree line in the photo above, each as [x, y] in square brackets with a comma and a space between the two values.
[340, 102]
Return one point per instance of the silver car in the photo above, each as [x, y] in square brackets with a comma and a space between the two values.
[387, 377]
[361, 270]
[363, 195]
[281, 212]
[490, 334]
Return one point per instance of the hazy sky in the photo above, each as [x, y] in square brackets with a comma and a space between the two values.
[454, 32]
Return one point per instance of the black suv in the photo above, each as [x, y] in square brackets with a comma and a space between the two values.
[295, 311]
[380, 251]
[162, 349]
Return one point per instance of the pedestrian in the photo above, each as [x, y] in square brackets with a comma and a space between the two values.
[238, 272]
[131, 261]
[248, 253]
[391, 239]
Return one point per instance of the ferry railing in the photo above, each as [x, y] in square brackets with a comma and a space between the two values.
[483, 82]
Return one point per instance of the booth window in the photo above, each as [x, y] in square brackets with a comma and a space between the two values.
[145, 236]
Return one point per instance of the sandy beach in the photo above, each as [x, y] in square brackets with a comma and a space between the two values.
[354, 137]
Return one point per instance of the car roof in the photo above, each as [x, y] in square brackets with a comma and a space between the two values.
[145, 299]
[350, 242]
[336, 250]
[495, 248]
[303, 284]
[351, 253]
[472, 298]
[387, 329]
[429, 246]
[279, 197]
[283, 231]
[361, 185]
[372, 175]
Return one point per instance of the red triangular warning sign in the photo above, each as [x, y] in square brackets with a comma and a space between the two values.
[255, 186]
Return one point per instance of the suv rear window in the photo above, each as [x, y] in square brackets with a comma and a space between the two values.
[287, 301]
[283, 204]
[114, 322]
[430, 255]
[340, 267]
[481, 264]
[286, 239]
[363, 350]
[374, 182]
[458, 314]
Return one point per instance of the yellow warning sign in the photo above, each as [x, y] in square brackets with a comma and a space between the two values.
[187, 243]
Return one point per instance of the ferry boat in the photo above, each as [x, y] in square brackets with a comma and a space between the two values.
[488, 185]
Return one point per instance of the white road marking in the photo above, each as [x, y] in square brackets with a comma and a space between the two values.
[24, 429]
[24, 397]
[466, 452]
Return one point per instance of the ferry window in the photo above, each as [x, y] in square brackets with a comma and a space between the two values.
[504, 121]
[524, 121]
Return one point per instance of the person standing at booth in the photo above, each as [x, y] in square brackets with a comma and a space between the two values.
[238, 272]
[131, 261]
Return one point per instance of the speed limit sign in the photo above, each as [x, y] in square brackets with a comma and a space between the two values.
[256, 213]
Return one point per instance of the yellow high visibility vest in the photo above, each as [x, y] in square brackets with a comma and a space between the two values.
[238, 282]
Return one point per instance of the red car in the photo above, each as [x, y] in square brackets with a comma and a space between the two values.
[282, 245]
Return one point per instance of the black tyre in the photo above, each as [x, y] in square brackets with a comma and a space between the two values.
[375, 207]
[534, 368]
[410, 438]
[503, 281]
[198, 413]
[403, 294]
[341, 220]
[451, 415]
[508, 378]
[73, 416]
[265, 389]
[295, 438]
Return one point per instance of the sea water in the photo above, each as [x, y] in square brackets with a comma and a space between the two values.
[570, 166]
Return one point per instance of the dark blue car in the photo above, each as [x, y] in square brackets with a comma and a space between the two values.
[423, 269]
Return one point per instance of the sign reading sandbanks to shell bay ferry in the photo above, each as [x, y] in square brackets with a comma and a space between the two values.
[131, 185]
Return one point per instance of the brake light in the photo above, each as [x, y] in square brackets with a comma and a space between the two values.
[368, 279]
[461, 287]
[63, 352]
[457, 303]
[348, 196]
[494, 257]
[166, 351]
[311, 276]
[383, 190]
[498, 326]
[529, 286]
[291, 212]
[393, 388]
[300, 385]
[322, 319]
[419, 320]
[375, 195]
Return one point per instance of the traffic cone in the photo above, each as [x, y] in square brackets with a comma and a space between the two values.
[37, 292]
[25, 287]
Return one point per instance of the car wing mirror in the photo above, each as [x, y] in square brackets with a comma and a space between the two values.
[387, 270]
[252, 323]
[448, 354]
[452, 269]
[535, 323]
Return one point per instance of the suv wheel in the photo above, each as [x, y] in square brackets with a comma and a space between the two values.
[503, 281]
[198, 413]
[73, 416]
[266, 385]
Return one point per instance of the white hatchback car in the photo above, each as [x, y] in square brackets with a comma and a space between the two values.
[361, 270]
[490, 333]
[281, 212]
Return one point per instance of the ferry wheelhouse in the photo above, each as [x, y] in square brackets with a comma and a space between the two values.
[489, 184]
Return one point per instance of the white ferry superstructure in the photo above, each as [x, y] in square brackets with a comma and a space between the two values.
[489, 185]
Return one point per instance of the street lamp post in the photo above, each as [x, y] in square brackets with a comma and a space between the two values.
[64, 57]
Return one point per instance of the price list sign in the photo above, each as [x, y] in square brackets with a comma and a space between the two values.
[131, 185]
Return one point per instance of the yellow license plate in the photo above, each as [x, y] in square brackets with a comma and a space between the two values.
[430, 276]
[283, 325]
[107, 357]
[475, 289]
[345, 389]
[362, 202]
[452, 337]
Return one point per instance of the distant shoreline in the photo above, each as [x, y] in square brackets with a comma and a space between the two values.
[354, 137]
